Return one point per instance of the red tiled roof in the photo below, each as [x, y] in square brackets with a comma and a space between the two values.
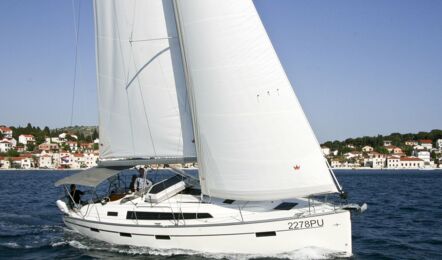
[26, 135]
[5, 129]
[410, 159]
[426, 141]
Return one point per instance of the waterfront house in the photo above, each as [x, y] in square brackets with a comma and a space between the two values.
[393, 162]
[5, 146]
[65, 159]
[375, 160]
[387, 142]
[77, 161]
[6, 131]
[4, 163]
[411, 163]
[439, 144]
[426, 143]
[367, 149]
[22, 162]
[46, 161]
[90, 159]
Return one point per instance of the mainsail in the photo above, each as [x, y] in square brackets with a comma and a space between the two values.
[253, 139]
[143, 108]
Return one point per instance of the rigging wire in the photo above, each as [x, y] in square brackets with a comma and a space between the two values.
[76, 31]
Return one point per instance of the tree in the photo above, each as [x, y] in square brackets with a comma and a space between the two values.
[30, 147]
[94, 134]
[382, 150]
[12, 153]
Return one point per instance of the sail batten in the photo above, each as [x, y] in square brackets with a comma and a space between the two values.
[143, 108]
[253, 139]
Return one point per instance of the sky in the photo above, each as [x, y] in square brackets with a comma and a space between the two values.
[358, 67]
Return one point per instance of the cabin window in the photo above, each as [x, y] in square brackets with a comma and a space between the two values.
[125, 235]
[95, 230]
[228, 201]
[112, 214]
[142, 215]
[286, 206]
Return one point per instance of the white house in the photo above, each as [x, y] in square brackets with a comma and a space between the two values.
[12, 141]
[427, 144]
[393, 162]
[375, 160]
[4, 163]
[387, 142]
[352, 154]
[6, 131]
[423, 155]
[90, 159]
[72, 145]
[439, 144]
[367, 149]
[325, 150]
[411, 163]
[27, 163]
[62, 137]
[25, 139]
[45, 160]
[411, 143]
[5, 146]
[65, 159]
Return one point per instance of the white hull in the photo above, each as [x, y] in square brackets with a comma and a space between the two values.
[256, 233]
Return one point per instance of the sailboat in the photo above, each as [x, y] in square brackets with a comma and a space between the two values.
[198, 81]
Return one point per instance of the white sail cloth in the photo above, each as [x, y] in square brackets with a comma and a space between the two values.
[143, 108]
[253, 139]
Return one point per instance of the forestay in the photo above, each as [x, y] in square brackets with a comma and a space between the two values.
[253, 139]
[143, 108]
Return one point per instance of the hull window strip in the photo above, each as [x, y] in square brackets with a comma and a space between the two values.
[95, 230]
[266, 234]
[162, 237]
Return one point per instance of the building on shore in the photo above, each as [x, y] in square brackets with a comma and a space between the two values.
[426, 144]
[367, 149]
[411, 163]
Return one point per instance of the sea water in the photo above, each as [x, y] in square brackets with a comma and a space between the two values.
[403, 220]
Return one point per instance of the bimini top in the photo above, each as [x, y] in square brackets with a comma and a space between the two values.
[91, 177]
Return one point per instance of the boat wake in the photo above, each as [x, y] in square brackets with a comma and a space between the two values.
[80, 242]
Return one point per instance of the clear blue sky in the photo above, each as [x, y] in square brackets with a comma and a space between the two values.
[358, 67]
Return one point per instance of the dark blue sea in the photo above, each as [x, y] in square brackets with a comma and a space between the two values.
[403, 220]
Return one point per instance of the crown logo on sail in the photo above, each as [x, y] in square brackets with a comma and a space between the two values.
[297, 167]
